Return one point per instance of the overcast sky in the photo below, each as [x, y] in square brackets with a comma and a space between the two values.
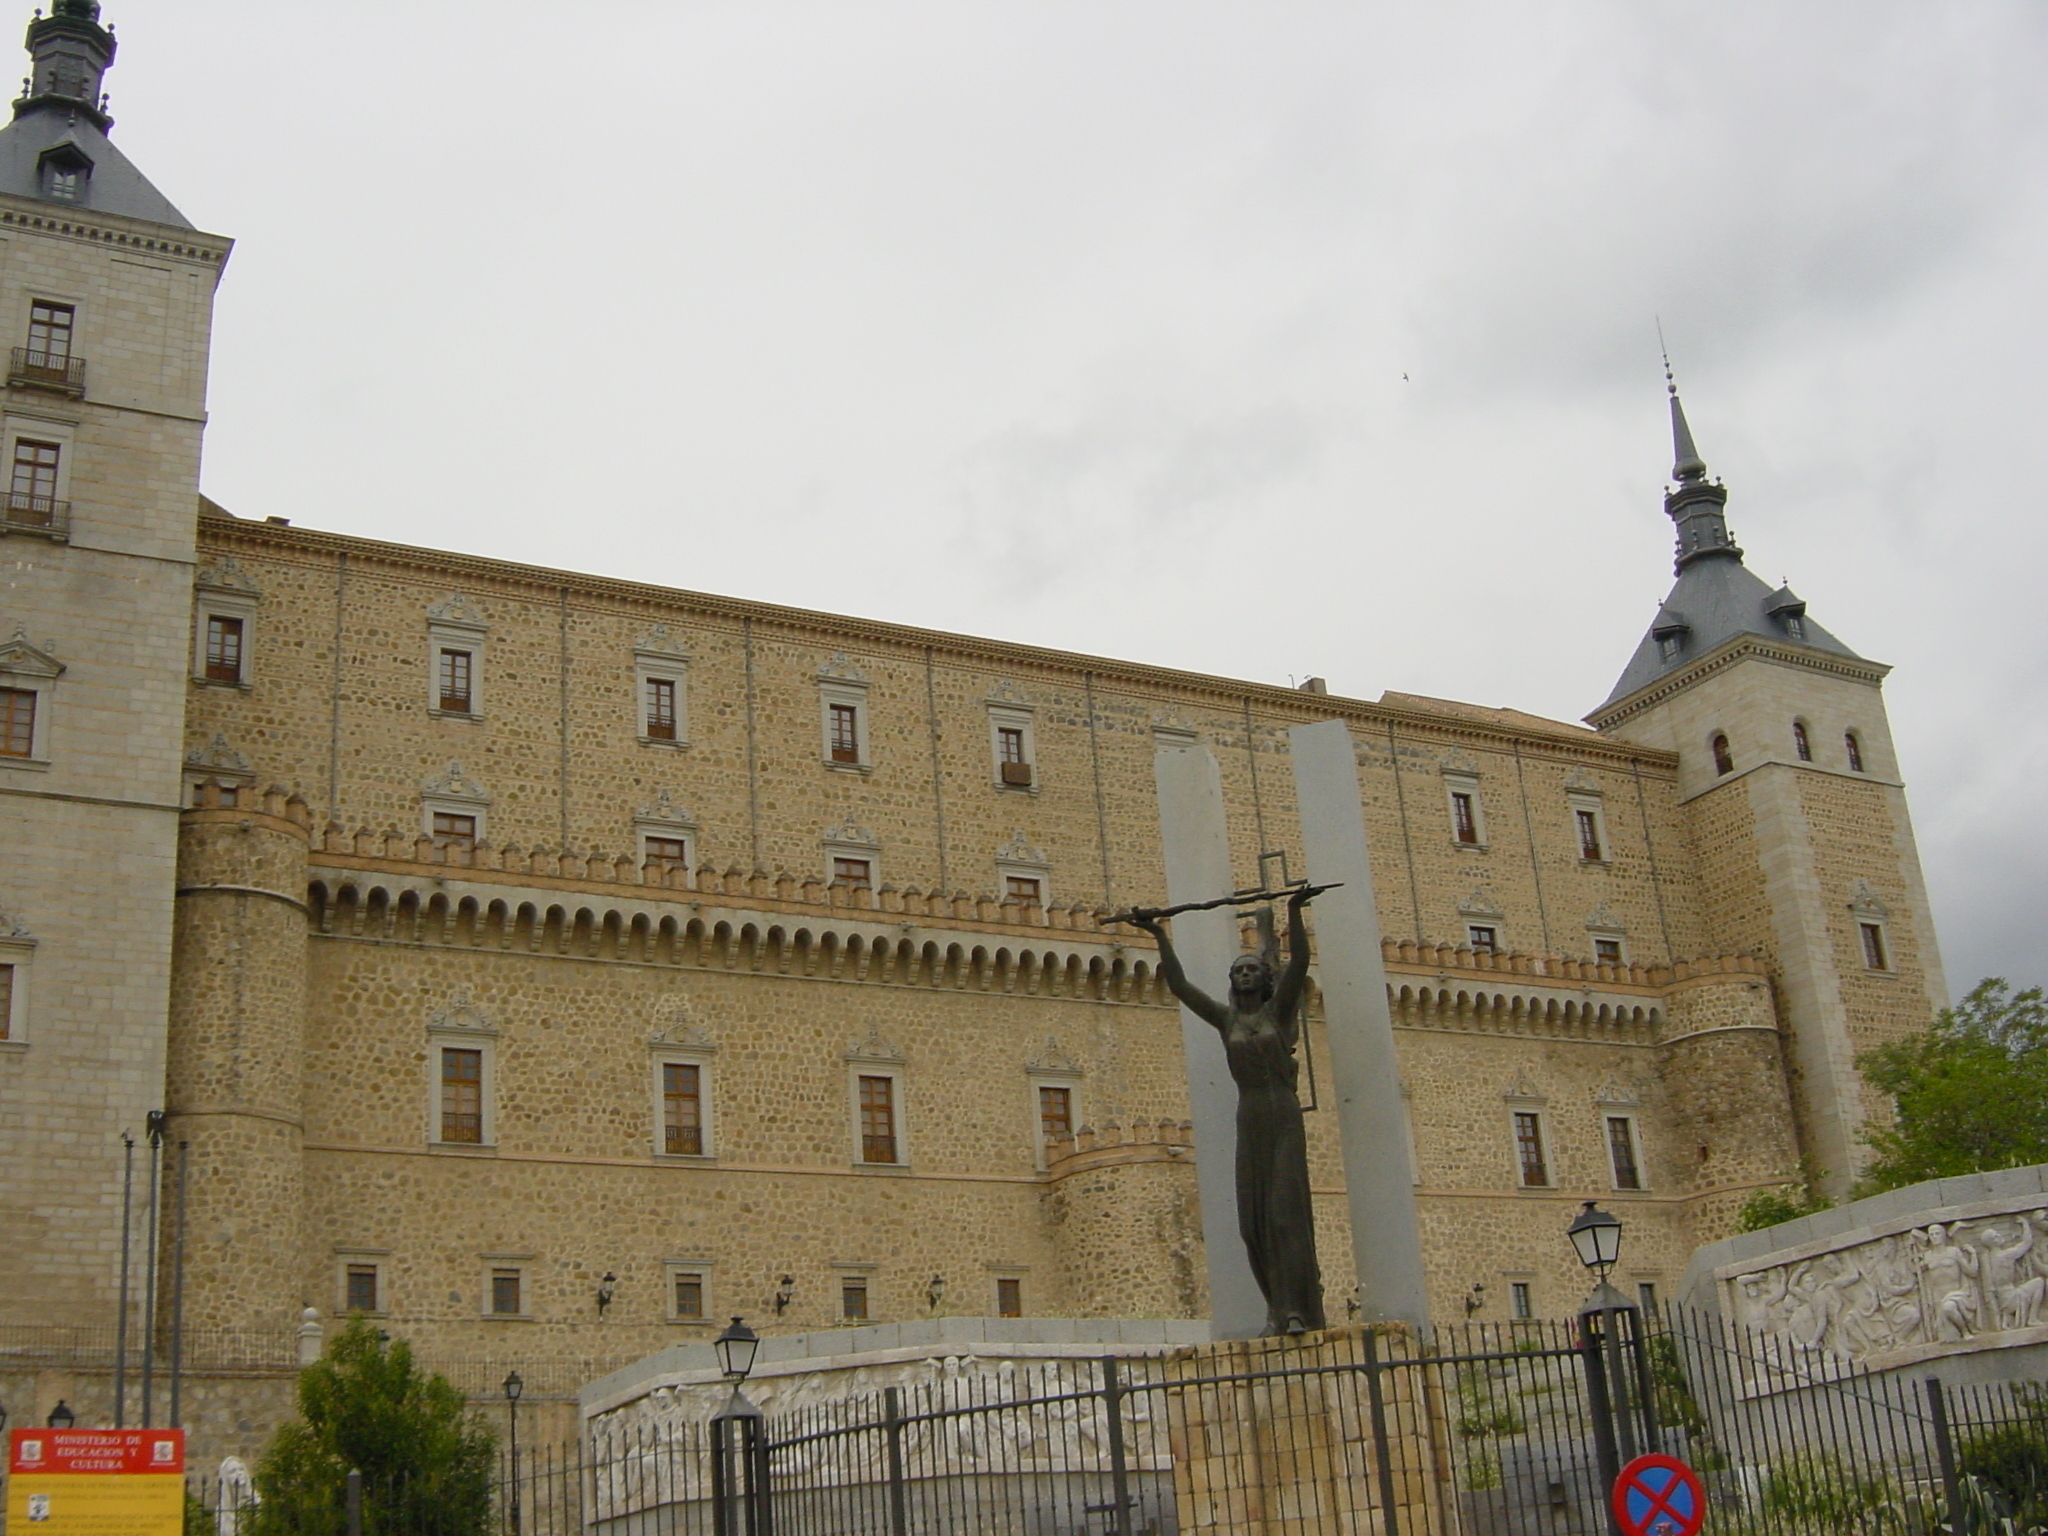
[1259, 339]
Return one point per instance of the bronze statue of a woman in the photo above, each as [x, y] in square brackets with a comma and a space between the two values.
[1260, 1025]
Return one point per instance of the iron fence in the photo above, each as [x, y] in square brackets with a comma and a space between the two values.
[1484, 1430]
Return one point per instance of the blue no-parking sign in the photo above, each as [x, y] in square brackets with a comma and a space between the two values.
[1659, 1496]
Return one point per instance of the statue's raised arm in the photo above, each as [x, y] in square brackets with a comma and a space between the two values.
[1200, 1003]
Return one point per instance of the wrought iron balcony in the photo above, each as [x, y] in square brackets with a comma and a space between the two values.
[47, 370]
[23, 513]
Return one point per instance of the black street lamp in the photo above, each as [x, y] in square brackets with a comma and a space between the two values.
[513, 1387]
[739, 1444]
[1609, 1324]
[61, 1416]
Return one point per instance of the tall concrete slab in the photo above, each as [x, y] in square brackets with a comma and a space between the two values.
[1386, 1236]
[1196, 844]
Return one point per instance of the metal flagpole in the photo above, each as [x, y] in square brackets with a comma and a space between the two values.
[121, 1317]
[178, 1286]
[155, 1135]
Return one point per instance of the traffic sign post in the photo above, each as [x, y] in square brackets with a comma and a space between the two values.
[96, 1482]
[1659, 1496]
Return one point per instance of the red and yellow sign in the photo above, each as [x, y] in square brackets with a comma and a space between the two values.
[96, 1482]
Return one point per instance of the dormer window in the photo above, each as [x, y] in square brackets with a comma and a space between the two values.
[1795, 626]
[65, 169]
[1668, 646]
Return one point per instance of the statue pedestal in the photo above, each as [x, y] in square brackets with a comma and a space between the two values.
[1282, 1441]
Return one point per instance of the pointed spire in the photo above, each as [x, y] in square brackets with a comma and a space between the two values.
[1696, 504]
[1687, 467]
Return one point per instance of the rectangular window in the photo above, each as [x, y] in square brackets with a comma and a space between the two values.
[1646, 1297]
[462, 1096]
[661, 708]
[1024, 888]
[666, 852]
[1520, 1306]
[1607, 951]
[1010, 743]
[454, 831]
[362, 1288]
[1055, 1113]
[1464, 823]
[1009, 1298]
[223, 649]
[845, 726]
[682, 1109]
[6, 1000]
[17, 722]
[49, 334]
[455, 672]
[1873, 946]
[1485, 940]
[1621, 1152]
[858, 873]
[1589, 835]
[505, 1290]
[33, 491]
[1529, 1148]
[853, 1300]
[878, 1119]
[689, 1295]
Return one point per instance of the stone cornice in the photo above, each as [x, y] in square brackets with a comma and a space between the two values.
[1741, 648]
[93, 228]
[304, 547]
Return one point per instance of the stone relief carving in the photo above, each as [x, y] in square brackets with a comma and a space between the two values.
[458, 611]
[1578, 781]
[218, 757]
[223, 574]
[840, 670]
[1018, 851]
[665, 810]
[850, 834]
[1864, 902]
[462, 1016]
[1479, 904]
[1889, 1298]
[659, 641]
[1459, 761]
[454, 784]
[876, 1049]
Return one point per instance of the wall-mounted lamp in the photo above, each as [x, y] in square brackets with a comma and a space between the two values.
[606, 1289]
[785, 1293]
[1475, 1298]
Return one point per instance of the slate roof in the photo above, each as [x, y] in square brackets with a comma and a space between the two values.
[115, 185]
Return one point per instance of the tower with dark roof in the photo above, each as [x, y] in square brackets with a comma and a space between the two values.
[106, 300]
[1793, 799]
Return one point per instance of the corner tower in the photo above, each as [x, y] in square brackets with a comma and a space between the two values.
[106, 302]
[1797, 814]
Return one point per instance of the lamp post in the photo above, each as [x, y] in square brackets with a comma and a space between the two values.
[61, 1416]
[3, 1418]
[739, 1444]
[513, 1387]
[1596, 1236]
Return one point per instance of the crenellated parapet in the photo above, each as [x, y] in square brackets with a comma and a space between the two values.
[1125, 1220]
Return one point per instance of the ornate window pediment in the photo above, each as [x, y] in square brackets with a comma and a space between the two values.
[875, 1051]
[23, 659]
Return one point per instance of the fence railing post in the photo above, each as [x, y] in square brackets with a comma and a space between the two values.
[355, 1502]
[1119, 1471]
[1382, 1446]
[892, 1422]
[1606, 1456]
[1945, 1452]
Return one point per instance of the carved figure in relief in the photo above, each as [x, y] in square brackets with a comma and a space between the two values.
[1895, 1283]
[2015, 1295]
[1951, 1273]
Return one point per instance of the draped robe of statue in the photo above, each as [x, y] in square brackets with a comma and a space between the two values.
[1260, 1025]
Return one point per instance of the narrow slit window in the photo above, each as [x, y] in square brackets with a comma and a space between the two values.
[1724, 759]
[1621, 1151]
[6, 1000]
[689, 1295]
[462, 1096]
[1520, 1306]
[1529, 1149]
[223, 649]
[1800, 742]
[845, 723]
[457, 671]
[1589, 836]
[661, 709]
[17, 722]
[1009, 1298]
[682, 1109]
[1464, 820]
[1855, 750]
[878, 1119]
[362, 1288]
[1874, 956]
[505, 1289]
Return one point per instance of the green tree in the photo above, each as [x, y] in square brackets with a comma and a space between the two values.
[1972, 1092]
[425, 1458]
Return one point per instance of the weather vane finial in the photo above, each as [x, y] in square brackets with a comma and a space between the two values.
[1670, 381]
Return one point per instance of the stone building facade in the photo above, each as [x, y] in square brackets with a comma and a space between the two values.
[551, 966]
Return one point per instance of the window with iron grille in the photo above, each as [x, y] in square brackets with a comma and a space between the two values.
[1464, 824]
[661, 709]
[462, 1095]
[17, 722]
[877, 1119]
[223, 649]
[1589, 836]
[1055, 1114]
[455, 672]
[682, 1109]
[1027, 889]
[1621, 1152]
[452, 830]
[1873, 946]
[362, 1288]
[1009, 1298]
[505, 1289]
[1529, 1148]
[845, 724]
[49, 334]
[689, 1294]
